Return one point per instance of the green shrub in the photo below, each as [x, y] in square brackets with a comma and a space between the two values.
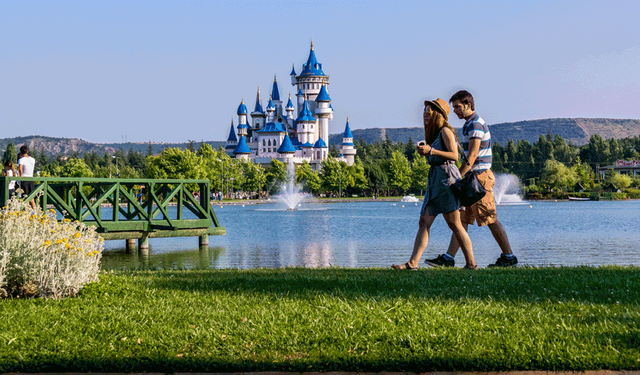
[40, 256]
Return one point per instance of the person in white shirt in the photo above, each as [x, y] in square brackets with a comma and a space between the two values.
[26, 165]
[10, 171]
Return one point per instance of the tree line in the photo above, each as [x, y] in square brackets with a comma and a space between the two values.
[382, 168]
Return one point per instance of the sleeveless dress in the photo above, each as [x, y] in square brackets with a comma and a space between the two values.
[439, 198]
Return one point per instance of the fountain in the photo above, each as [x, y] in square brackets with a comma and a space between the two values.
[506, 189]
[290, 193]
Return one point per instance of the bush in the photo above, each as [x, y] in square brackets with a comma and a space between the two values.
[40, 256]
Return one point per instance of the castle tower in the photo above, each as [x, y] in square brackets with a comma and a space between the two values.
[286, 149]
[324, 112]
[275, 96]
[289, 108]
[242, 150]
[271, 109]
[348, 148]
[243, 128]
[311, 79]
[258, 116]
[232, 141]
[305, 125]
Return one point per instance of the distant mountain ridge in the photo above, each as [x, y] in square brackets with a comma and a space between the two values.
[574, 130]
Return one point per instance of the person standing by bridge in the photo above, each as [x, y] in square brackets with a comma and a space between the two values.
[26, 166]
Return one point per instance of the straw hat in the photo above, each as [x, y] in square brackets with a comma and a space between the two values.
[439, 105]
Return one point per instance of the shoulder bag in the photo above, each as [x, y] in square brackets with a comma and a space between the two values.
[468, 189]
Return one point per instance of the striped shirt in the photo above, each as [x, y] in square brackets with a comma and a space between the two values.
[476, 128]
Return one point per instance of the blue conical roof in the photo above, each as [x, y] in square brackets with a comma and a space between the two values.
[347, 131]
[232, 135]
[271, 105]
[286, 146]
[242, 147]
[312, 67]
[242, 109]
[323, 95]
[275, 93]
[258, 108]
[293, 70]
[289, 103]
[320, 144]
[305, 114]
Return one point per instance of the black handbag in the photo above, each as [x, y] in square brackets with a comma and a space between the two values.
[468, 189]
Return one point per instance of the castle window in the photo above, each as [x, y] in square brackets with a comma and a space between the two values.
[318, 153]
[264, 143]
[269, 142]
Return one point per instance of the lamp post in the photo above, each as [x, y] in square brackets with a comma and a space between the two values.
[221, 176]
[117, 174]
[339, 182]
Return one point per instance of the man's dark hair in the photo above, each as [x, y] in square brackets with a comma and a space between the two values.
[24, 149]
[464, 97]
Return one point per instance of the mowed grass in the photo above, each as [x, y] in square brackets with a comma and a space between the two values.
[332, 319]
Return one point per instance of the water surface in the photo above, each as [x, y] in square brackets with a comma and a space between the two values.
[377, 234]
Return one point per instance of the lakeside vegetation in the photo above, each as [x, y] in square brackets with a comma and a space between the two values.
[332, 319]
[548, 168]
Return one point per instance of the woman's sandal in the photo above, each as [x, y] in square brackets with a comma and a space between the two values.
[405, 266]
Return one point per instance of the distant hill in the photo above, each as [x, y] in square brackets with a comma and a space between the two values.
[575, 130]
[67, 146]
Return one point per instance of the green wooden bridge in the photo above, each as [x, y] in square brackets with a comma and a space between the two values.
[127, 209]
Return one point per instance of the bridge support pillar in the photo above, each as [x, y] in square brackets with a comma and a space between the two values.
[131, 244]
[143, 242]
[204, 240]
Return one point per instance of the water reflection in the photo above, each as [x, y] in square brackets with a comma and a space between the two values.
[377, 234]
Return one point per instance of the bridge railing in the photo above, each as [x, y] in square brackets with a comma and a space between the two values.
[127, 208]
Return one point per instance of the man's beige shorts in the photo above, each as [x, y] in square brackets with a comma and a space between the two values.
[484, 210]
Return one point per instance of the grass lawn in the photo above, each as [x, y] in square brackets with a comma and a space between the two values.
[332, 319]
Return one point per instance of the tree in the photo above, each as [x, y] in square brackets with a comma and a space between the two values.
[254, 176]
[335, 176]
[10, 153]
[191, 146]
[276, 175]
[75, 168]
[557, 176]
[176, 164]
[621, 181]
[308, 178]
[583, 173]
[357, 175]
[399, 172]
[419, 172]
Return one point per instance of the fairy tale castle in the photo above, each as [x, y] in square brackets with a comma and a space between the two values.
[286, 133]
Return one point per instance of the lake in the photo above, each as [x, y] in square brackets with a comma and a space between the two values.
[377, 234]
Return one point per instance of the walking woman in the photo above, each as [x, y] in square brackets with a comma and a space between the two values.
[441, 151]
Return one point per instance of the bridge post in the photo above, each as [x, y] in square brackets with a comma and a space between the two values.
[131, 244]
[204, 240]
[143, 242]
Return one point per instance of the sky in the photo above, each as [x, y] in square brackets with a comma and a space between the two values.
[174, 71]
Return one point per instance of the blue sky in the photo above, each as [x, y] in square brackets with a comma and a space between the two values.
[170, 71]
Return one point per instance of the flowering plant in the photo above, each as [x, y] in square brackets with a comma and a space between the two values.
[41, 256]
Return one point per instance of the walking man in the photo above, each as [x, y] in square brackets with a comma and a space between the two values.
[26, 165]
[476, 145]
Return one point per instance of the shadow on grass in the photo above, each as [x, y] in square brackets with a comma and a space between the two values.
[602, 285]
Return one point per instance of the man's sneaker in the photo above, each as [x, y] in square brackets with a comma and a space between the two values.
[467, 267]
[504, 261]
[440, 261]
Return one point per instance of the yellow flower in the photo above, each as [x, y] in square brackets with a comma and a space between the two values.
[77, 235]
[59, 241]
[46, 243]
